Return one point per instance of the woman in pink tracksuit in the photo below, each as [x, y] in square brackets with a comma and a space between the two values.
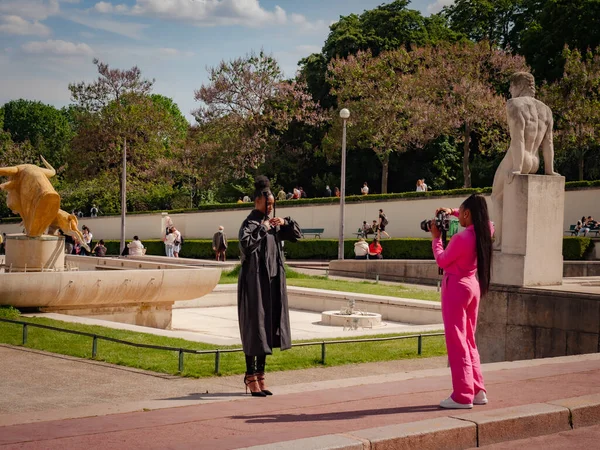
[466, 263]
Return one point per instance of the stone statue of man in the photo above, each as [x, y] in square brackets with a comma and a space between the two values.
[530, 126]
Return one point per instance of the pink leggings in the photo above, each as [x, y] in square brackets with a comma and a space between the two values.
[460, 304]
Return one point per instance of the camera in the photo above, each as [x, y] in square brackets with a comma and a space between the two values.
[442, 222]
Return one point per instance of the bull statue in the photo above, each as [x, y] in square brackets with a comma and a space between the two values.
[31, 195]
[68, 224]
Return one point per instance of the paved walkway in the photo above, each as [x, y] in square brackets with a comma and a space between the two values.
[304, 404]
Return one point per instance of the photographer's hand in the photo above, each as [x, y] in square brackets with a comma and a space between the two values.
[446, 210]
[435, 232]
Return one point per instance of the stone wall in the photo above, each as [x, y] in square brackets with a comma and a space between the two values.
[404, 216]
[426, 271]
[521, 323]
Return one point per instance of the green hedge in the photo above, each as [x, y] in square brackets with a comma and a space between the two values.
[574, 248]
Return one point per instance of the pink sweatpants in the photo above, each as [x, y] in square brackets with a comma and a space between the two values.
[460, 304]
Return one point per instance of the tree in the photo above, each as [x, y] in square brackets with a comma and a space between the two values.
[45, 127]
[494, 21]
[557, 23]
[249, 105]
[116, 109]
[386, 114]
[463, 81]
[388, 27]
[575, 103]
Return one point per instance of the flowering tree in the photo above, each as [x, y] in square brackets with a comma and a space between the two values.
[249, 105]
[464, 82]
[387, 112]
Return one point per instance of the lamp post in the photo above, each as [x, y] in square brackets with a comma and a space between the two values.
[344, 114]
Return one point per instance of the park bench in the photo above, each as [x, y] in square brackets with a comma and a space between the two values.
[314, 231]
[571, 230]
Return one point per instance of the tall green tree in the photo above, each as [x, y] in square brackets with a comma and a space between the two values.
[575, 103]
[47, 128]
[557, 23]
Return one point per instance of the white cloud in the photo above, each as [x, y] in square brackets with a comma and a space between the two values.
[57, 48]
[437, 6]
[308, 49]
[19, 26]
[30, 9]
[127, 29]
[202, 12]
[104, 7]
[173, 52]
[303, 23]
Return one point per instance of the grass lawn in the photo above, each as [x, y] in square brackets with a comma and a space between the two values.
[201, 365]
[360, 287]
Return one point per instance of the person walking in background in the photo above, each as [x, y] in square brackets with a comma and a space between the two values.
[383, 222]
[365, 189]
[169, 243]
[467, 269]
[94, 211]
[361, 249]
[375, 250]
[263, 310]
[136, 248]
[219, 243]
[327, 191]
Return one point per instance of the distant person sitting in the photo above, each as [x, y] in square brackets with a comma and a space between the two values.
[336, 192]
[136, 248]
[375, 250]
[591, 223]
[281, 195]
[361, 249]
[420, 187]
[240, 200]
[99, 250]
[94, 211]
[365, 189]
[246, 199]
[366, 229]
[583, 227]
[327, 191]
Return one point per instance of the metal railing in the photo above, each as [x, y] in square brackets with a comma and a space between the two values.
[216, 352]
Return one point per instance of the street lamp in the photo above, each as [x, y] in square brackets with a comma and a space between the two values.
[345, 115]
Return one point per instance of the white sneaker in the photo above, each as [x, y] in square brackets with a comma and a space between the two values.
[451, 404]
[480, 398]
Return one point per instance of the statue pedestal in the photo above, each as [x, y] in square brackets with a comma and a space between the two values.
[532, 230]
[34, 254]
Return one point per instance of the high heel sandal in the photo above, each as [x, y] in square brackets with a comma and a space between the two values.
[260, 377]
[251, 383]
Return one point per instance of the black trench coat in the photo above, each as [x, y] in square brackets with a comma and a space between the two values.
[262, 292]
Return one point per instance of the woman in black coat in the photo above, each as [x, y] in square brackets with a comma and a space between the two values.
[262, 293]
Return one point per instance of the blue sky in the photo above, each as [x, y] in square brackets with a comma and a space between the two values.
[46, 44]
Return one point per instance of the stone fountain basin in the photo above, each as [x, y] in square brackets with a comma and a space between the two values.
[139, 297]
[363, 320]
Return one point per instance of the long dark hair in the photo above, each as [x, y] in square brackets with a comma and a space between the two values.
[483, 235]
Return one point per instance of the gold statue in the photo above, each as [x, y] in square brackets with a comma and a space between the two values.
[30, 194]
[68, 224]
